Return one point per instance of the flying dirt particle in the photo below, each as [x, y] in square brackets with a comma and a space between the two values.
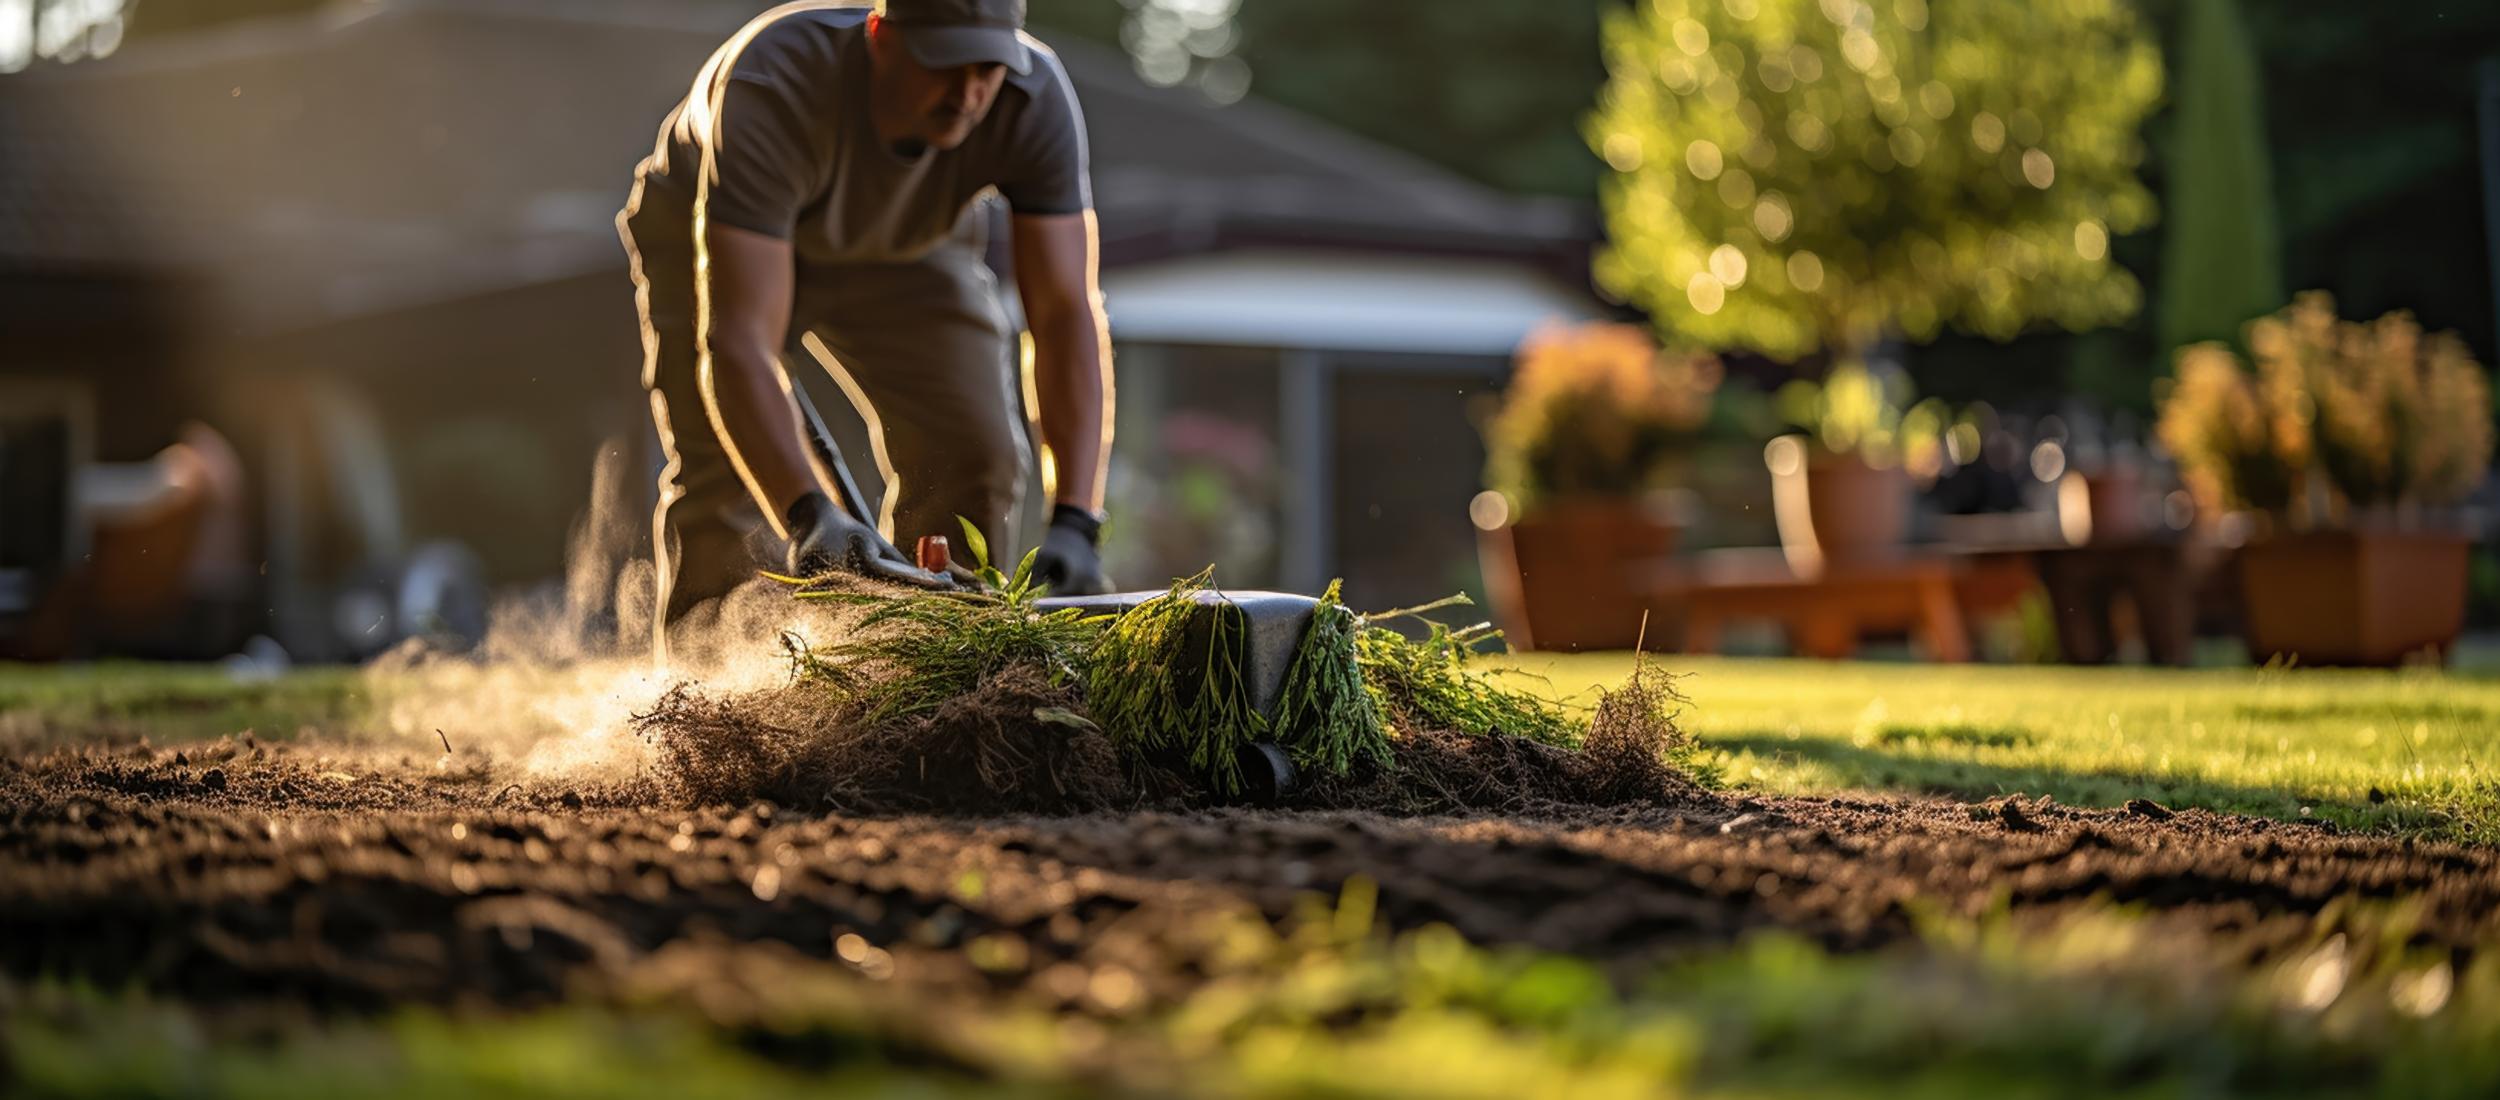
[1738, 822]
[2145, 807]
[215, 780]
[767, 884]
[851, 946]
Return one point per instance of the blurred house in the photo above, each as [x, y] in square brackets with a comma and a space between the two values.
[373, 247]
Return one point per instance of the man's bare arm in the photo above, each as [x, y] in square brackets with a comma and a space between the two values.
[1056, 277]
[744, 292]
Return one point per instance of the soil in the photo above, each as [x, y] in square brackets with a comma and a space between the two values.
[341, 880]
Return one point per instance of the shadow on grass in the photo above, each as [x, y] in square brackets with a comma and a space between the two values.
[2371, 712]
[1978, 736]
[1875, 768]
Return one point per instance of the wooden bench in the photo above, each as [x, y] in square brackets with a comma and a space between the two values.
[1826, 612]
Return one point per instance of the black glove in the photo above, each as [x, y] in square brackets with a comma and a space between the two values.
[824, 538]
[1069, 564]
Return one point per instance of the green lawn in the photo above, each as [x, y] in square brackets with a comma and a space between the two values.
[2416, 750]
[42, 705]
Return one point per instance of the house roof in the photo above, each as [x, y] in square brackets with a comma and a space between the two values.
[387, 153]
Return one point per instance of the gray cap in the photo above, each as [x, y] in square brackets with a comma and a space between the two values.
[942, 34]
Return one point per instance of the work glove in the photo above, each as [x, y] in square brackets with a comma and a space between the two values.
[824, 538]
[1068, 563]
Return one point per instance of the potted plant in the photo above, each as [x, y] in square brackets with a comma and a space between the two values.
[1588, 435]
[1841, 487]
[2344, 441]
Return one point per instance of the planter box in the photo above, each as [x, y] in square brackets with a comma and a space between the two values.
[1576, 573]
[2369, 597]
[1835, 509]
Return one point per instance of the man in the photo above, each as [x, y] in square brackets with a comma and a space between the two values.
[821, 188]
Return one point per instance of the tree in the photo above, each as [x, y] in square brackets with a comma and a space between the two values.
[1794, 176]
[2222, 257]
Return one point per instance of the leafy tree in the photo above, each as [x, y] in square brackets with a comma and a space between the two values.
[2222, 262]
[1794, 176]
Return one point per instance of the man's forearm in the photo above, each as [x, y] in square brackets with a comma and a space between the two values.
[758, 426]
[1072, 382]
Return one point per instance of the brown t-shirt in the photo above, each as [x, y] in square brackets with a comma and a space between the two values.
[796, 157]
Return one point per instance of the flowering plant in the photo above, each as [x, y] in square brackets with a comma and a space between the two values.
[1595, 409]
[2377, 412]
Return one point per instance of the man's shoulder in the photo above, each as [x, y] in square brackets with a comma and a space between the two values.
[797, 40]
[1047, 78]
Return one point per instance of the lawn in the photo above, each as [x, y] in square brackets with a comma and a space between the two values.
[2417, 751]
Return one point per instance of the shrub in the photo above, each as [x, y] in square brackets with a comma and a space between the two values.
[2377, 412]
[1595, 409]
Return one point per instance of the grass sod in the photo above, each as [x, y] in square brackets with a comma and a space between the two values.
[2100, 1003]
[2416, 752]
[1331, 718]
[1167, 681]
[1139, 687]
[1444, 680]
[905, 656]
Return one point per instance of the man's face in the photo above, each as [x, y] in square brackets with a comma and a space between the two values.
[937, 107]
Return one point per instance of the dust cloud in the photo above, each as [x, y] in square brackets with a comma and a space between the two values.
[553, 690]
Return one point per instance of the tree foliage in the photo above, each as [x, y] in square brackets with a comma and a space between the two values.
[2222, 258]
[1794, 176]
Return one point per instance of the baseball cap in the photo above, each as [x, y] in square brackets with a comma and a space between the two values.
[942, 34]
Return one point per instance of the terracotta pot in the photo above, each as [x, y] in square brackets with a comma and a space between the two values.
[2365, 597]
[2104, 506]
[1835, 509]
[1575, 573]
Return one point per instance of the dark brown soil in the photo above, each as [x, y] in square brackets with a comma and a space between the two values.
[249, 872]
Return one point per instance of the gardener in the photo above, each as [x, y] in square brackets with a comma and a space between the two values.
[823, 187]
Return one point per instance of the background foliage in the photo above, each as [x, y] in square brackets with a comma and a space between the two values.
[1797, 176]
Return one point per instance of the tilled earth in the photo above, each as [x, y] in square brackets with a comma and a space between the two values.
[348, 881]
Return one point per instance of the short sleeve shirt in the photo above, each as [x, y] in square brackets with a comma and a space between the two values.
[782, 111]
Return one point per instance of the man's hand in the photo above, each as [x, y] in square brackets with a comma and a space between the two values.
[1068, 563]
[824, 539]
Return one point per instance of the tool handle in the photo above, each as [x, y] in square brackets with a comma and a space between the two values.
[933, 553]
